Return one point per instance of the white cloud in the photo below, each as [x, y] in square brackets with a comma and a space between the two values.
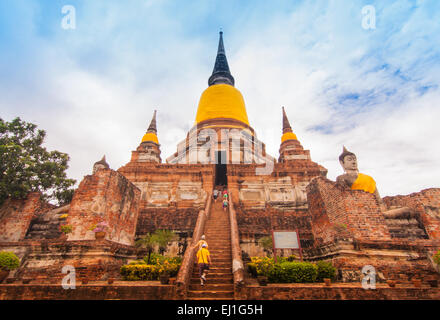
[94, 90]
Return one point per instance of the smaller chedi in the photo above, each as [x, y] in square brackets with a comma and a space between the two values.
[101, 164]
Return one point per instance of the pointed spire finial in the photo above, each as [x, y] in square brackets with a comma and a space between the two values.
[221, 73]
[153, 127]
[286, 123]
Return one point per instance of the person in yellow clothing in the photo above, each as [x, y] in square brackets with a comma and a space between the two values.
[201, 242]
[204, 260]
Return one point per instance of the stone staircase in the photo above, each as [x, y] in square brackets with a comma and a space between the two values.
[219, 284]
[47, 225]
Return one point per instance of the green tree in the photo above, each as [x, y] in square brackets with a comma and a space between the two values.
[266, 243]
[163, 238]
[148, 242]
[26, 166]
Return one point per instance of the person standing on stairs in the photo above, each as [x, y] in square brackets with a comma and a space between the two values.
[215, 194]
[204, 260]
[225, 204]
[201, 242]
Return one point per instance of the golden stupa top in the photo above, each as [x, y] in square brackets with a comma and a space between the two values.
[287, 129]
[151, 134]
[221, 100]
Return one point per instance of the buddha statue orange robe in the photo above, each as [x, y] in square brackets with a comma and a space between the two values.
[365, 183]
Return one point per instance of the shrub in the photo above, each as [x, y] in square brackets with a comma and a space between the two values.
[436, 258]
[156, 258]
[66, 228]
[140, 272]
[263, 265]
[325, 270]
[137, 262]
[298, 272]
[8, 261]
[169, 268]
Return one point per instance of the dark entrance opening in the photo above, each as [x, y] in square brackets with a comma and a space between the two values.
[221, 178]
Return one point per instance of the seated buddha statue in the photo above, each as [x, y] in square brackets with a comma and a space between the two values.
[352, 178]
[359, 181]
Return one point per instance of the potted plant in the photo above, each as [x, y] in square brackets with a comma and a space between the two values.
[65, 229]
[164, 273]
[100, 230]
[8, 262]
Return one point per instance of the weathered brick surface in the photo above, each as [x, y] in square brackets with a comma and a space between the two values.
[105, 196]
[95, 260]
[151, 290]
[150, 219]
[337, 292]
[339, 212]
[16, 215]
[426, 203]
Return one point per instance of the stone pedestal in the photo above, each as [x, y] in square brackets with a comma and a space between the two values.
[338, 212]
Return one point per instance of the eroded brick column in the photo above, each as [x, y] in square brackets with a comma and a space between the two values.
[16, 215]
[105, 196]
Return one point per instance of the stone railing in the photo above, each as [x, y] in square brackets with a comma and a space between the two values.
[237, 262]
[186, 269]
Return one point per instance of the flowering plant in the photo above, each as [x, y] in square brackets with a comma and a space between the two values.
[100, 227]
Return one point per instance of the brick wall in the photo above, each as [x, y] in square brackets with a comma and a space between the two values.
[88, 292]
[426, 203]
[105, 196]
[337, 292]
[16, 215]
[340, 212]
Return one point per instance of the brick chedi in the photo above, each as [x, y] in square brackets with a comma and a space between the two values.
[343, 221]
[105, 197]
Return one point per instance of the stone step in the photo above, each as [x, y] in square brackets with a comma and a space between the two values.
[213, 280]
[211, 299]
[210, 294]
[222, 252]
[216, 274]
[221, 260]
[211, 286]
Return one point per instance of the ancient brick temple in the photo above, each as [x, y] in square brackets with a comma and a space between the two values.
[352, 228]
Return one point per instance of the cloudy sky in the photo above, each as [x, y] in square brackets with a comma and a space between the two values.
[94, 88]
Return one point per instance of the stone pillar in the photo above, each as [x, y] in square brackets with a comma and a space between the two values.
[16, 215]
[105, 196]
